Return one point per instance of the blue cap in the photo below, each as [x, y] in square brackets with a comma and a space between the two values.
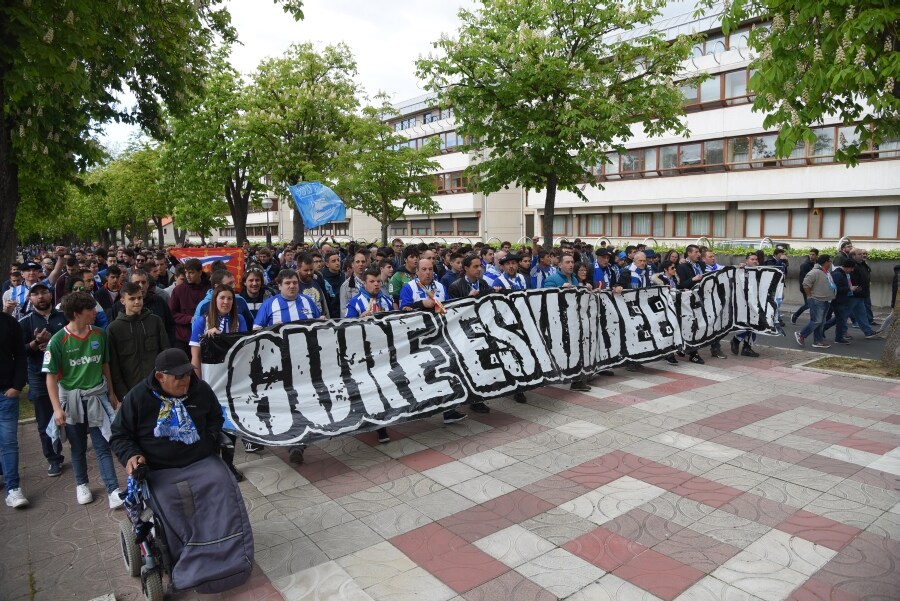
[621, 254]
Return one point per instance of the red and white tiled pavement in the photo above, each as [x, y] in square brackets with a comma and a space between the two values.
[741, 479]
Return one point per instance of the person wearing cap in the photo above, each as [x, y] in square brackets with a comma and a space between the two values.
[604, 275]
[510, 280]
[80, 387]
[31, 274]
[171, 419]
[847, 304]
[38, 326]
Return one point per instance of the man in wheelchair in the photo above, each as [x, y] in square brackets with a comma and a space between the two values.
[167, 434]
[172, 419]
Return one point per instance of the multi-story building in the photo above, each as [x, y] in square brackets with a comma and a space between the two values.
[722, 182]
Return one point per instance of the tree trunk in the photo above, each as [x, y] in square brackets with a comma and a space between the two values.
[9, 183]
[549, 211]
[157, 221]
[238, 199]
[124, 235]
[384, 231]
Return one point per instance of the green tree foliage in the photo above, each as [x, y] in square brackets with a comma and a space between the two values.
[299, 112]
[62, 67]
[822, 58]
[208, 163]
[544, 88]
[379, 174]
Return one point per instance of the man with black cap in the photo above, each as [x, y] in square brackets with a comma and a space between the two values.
[510, 280]
[37, 328]
[31, 274]
[604, 275]
[171, 419]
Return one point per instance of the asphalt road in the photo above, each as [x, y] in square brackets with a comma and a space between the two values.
[859, 347]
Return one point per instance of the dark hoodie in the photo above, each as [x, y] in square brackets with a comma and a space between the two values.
[332, 286]
[183, 302]
[134, 342]
[132, 430]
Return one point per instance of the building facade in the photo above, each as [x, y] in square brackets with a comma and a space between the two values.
[723, 182]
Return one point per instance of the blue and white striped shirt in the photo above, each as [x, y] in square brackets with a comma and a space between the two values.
[277, 310]
[361, 303]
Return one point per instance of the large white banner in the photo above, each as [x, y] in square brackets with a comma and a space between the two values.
[298, 382]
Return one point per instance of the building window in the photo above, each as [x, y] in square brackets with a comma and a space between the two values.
[467, 226]
[751, 224]
[710, 224]
[776, 223]
[799, 223]
[452, 183]
[594, 225]
[420, 227]
[831, 223]
[561, 225]
[639, 224]
[443, 227]
[887, 223]
[398, 228]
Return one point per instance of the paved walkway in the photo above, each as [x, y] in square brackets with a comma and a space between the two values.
[741, 479]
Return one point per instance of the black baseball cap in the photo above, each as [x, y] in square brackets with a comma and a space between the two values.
[603, 252]
[29, 265]
[174, 362]
[509, 257]
[36, 285]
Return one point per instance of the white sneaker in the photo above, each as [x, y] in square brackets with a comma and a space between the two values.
[15, 498]
[83, 494]
[114, 501]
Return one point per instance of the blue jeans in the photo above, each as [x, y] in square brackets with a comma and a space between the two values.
[9, 442]
[857, 309]
[817, 311]
[77, 435]
[839, 321]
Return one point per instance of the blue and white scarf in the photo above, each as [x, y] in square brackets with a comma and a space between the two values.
[174, 422]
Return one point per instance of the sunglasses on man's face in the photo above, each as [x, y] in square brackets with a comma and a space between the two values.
[78, 288]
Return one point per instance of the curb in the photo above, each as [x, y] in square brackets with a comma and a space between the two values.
[805, 364]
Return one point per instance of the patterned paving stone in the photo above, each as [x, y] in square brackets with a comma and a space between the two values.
[741, 482]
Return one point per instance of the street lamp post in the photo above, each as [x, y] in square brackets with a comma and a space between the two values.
[267, 204]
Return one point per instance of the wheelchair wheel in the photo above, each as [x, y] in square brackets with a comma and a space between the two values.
[151, 584]
[131, 551]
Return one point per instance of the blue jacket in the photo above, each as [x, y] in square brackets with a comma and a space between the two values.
[243, 308]
[558, 279]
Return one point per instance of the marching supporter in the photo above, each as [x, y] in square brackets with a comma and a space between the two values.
[135, 338]
[171, 419]
[97, 289]
[37, 328]
[332, 279]
[487, 257]
[689, 273]
[270, 266]
[862, 277]
[15, 278]
[184, 301]
[455, 270]
[747, 337]
[636, 276]
[471, 284]
[309, 285]
[354, 283]
[405, 273]
[371, 299]
[424, 294]
[12, 381]
[492, 272]
[820, 290]
[286, 307]
[583, 275]
[525, 265]
[177, 278]
[74, 283]
[604, 275]
[510, 279]
[61, 286]
[667, 276]
[253, 293]
[31, 274]
[542, 269]
[152, 301]
[779, 260]
[710, 266]
[221, 277]
[221, 316]
[840, 305]
[805, 268]
[80, 387]
[565, 278]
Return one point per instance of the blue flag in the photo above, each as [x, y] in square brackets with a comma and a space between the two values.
[317, 204]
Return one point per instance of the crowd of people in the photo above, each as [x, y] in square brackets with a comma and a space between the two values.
[86, 328]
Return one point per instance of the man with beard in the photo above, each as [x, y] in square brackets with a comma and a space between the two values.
[332, 279]
[471, 284]
[309, 285]
[510, 280]
[37, 328]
